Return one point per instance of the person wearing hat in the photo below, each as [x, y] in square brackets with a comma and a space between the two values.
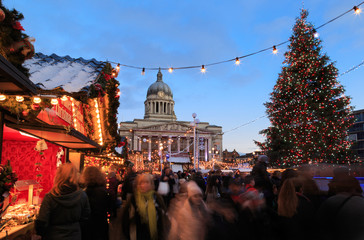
[262, 179]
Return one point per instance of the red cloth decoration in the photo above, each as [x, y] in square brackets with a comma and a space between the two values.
[23, 157]
[18, 26]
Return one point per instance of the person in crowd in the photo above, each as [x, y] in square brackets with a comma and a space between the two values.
[97, 227]
[144, 215]
[200, 181]
[339, 173]
[113, 179]
[310, 188]
[252, 199]
[276, 179]
[295, 212]
[65, 208]
[168, 176]
[127, 188]
[213, 189]
[341, 216]
[262, 179]
[190, 221]
[288, 173]
[176, 184]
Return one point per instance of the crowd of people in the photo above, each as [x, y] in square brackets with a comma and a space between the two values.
[188, 206]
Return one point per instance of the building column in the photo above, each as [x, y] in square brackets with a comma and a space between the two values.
[210, 148]
[169, 144]
[188, 144]
[149, 148]
[140, 143]
[206, 149]
[178, 144]
[135, 142]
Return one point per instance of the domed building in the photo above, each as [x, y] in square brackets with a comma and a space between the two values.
[160, 137]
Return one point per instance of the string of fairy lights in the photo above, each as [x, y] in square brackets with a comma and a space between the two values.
[237, 60]
[292, 101]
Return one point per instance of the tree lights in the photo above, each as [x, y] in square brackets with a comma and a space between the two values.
[308, 111]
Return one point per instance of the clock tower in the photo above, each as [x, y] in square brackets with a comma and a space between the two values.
[159, 104]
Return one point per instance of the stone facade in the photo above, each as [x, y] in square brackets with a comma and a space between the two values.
[159, 133]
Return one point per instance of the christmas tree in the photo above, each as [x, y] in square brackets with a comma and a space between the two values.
[308, 111]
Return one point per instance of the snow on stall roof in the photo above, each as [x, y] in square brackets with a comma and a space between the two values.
[70, 74]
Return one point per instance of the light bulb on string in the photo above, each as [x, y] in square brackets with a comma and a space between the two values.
[143, 71]
[237, 61]
[64, 98]
[203, 69]
[54, 101]
[37, 100]
[275, 51]
[19, 98]
[356, 10]
[118, 68]
[315, 33]
[170, 69]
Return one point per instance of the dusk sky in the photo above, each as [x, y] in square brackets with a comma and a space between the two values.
[162, 33]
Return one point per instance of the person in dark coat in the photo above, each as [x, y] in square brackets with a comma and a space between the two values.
[168, 176]
[144, 215]
[295, 218]
[127, 188]
[342, 216]
[200, 181]
[262, 179]
[97, 227]
[64, 209]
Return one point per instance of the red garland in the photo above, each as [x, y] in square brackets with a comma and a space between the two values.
[107, 76]
[18, 26]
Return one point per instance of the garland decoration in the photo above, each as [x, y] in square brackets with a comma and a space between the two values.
[15, 46]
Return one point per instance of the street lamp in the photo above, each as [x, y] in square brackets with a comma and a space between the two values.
[194, 124]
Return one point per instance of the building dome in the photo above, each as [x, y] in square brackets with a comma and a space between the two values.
[159, 88]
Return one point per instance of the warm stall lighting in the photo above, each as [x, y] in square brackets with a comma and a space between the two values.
[2, 97]
[19, 98]
[37, 100]
[54, 101]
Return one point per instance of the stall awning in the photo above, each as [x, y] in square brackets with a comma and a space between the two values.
[12, 81]
[69, 138]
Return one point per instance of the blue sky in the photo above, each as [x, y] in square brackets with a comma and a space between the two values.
[163, 33]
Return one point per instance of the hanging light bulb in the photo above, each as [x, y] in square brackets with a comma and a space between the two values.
[2, 97]
[170, 69]
[357, 10]
[275, 50]
[64, 98]
[19, 98]
[37, 100]
[143, 71]
[118, 68]
[315, 33]
[54, 101]
[203, 69]
[237, 61]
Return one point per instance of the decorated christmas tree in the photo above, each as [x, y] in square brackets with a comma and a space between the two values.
[308, 111]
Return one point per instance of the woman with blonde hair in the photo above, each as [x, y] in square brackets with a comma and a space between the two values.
[295, 211]
[144, 215]
[64, 208]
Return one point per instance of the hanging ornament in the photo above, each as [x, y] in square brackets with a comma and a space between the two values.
[2, 15]
[35, 107]
[60, 153]
[41, 146]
